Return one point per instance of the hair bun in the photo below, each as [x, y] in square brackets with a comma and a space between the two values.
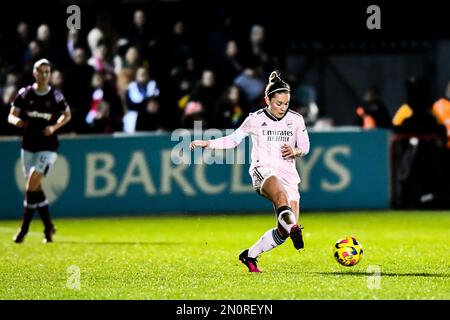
[274, 75]
[276, 84]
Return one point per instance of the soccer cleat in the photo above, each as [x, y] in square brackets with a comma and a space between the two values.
[20, 236]
[48, 233]
[297, 237]
[250, 263]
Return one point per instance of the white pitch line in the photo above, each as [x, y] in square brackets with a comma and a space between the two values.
[13, 231]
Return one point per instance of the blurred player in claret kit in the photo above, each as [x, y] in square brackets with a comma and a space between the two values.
[40, 110]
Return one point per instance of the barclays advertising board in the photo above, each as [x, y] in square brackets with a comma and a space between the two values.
[123, 175]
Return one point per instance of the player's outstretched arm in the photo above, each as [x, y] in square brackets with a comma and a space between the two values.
[226, 142]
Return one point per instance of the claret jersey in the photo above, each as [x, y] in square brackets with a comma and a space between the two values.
[268, 134]
[39, 111]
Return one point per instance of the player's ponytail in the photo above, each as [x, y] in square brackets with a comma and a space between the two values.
[276, 84]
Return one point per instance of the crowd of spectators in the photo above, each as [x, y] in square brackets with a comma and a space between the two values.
[137, 79]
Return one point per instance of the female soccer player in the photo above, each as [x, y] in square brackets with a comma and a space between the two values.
[279, 136]
[40, 110]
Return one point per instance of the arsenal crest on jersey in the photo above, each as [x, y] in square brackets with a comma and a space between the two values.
[289, 124]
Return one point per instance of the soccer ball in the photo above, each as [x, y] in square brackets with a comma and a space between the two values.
[348, 251]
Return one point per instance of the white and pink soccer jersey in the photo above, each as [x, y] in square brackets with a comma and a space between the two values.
[268, 134]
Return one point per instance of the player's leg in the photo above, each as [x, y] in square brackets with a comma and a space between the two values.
[285, 201]
[29, 202]
[45, 161]
[295, 209]
[296, 231]
[44, 213]
[270, 239]
[272, 189]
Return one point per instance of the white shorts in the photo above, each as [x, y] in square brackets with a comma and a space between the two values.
[41, 161]
[259, 176]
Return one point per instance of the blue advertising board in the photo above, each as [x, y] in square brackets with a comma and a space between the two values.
[140, 174]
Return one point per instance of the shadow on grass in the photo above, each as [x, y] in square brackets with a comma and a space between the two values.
[386, 274]
[130, 243]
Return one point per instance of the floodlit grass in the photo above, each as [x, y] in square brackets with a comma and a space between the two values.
[195, 257]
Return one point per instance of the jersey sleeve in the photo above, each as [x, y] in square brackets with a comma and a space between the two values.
[302, 137]
[61, 102]
[19, 100]
[233, 139]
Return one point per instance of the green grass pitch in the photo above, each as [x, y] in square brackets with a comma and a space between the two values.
[196, 257]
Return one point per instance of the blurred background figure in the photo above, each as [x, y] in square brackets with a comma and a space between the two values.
[44, 37]
[131, 62]
[16, 53]
[7, 94]
[257, 53]
[182, 82]
[193, 112]
[251, 83]
[142, 102]
[103, 29]
[104, 58]
[418, 172]
[65, 54]
[32, 54]
[77, 89]
[229, 64]
[144, 37]
[205, 95]
[305, 103]
[179, 46]
[105, 113]
[416, 116]
[98, 117]
[441, 109]
[231, 109]
[57, 79]
[373, 113]
[137, 34]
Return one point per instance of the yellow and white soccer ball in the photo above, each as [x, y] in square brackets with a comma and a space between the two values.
[348, 251]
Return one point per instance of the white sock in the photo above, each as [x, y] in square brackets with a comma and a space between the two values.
[267, 242]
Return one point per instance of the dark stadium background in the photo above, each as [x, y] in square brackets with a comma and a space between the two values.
[324, 30]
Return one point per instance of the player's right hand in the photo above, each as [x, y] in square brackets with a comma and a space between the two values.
[198, 143]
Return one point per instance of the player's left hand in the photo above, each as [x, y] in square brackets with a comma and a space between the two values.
[287, 152]
[48, 131]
